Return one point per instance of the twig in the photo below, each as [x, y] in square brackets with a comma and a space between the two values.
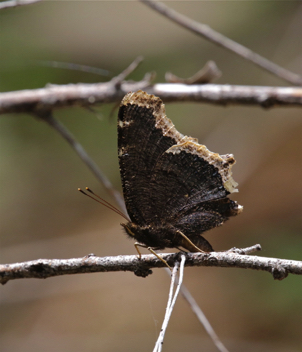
[203, 319]
[201, 316]
[44, 268]
[15, 3]
[118, 79]
[247, 250]
[171, 302]
[197, 310]
[55, 96]
[204, 31]
[77, 147]
[207, 74]
[75, 67]
[46, 115]
[221, 40]
[160, 340]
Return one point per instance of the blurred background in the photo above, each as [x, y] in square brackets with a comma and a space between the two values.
[43, 215]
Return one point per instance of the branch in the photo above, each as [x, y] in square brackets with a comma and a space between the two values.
[117, 81]
[73, 67]
[171, 302]
[44, 268]
[84, 156]
[219, 39]
[207, 74]
[15, 3]
[59, 96]
[194, 306]
[206, 32]
[47, 116]
[202, 319]
[200, 314]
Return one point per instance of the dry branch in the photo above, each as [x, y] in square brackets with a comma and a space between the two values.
[207, 74]
[171, 302]
[15, 3]
[223, 41]
[59, 96]
[202, 319]
[44, 268]
[47, 116]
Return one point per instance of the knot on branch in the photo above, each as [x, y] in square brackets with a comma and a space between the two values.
[279, 272]
[143, 272]
[211, 259]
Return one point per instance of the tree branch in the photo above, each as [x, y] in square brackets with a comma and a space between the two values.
[44, 268]
[84, 156]
[219, 39]
[59, 96]
[117, 81]
[207, 74]
[171, 302]
[202, 319]
[15, 3]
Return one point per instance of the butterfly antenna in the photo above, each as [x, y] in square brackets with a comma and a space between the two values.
[103, 202]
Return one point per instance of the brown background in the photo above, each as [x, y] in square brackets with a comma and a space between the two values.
[43, 215]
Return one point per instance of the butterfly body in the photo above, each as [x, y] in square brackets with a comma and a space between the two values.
[172, 185]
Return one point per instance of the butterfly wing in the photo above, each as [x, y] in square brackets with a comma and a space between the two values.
[193, 182]
[140, 143]
[166, 176]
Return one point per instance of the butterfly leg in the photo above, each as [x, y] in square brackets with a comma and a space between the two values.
[137, 244]
[190, 242]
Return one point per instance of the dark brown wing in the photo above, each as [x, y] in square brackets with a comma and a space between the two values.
[166, 175]
[140, 144]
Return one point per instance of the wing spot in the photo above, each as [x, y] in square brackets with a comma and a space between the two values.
[122, 151]
[123, 124]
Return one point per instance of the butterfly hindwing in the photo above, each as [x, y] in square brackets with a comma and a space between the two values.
[171, 183]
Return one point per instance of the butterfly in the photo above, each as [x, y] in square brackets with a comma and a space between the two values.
[174, 188]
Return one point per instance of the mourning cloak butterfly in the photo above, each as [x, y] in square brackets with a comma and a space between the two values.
[174, 188]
